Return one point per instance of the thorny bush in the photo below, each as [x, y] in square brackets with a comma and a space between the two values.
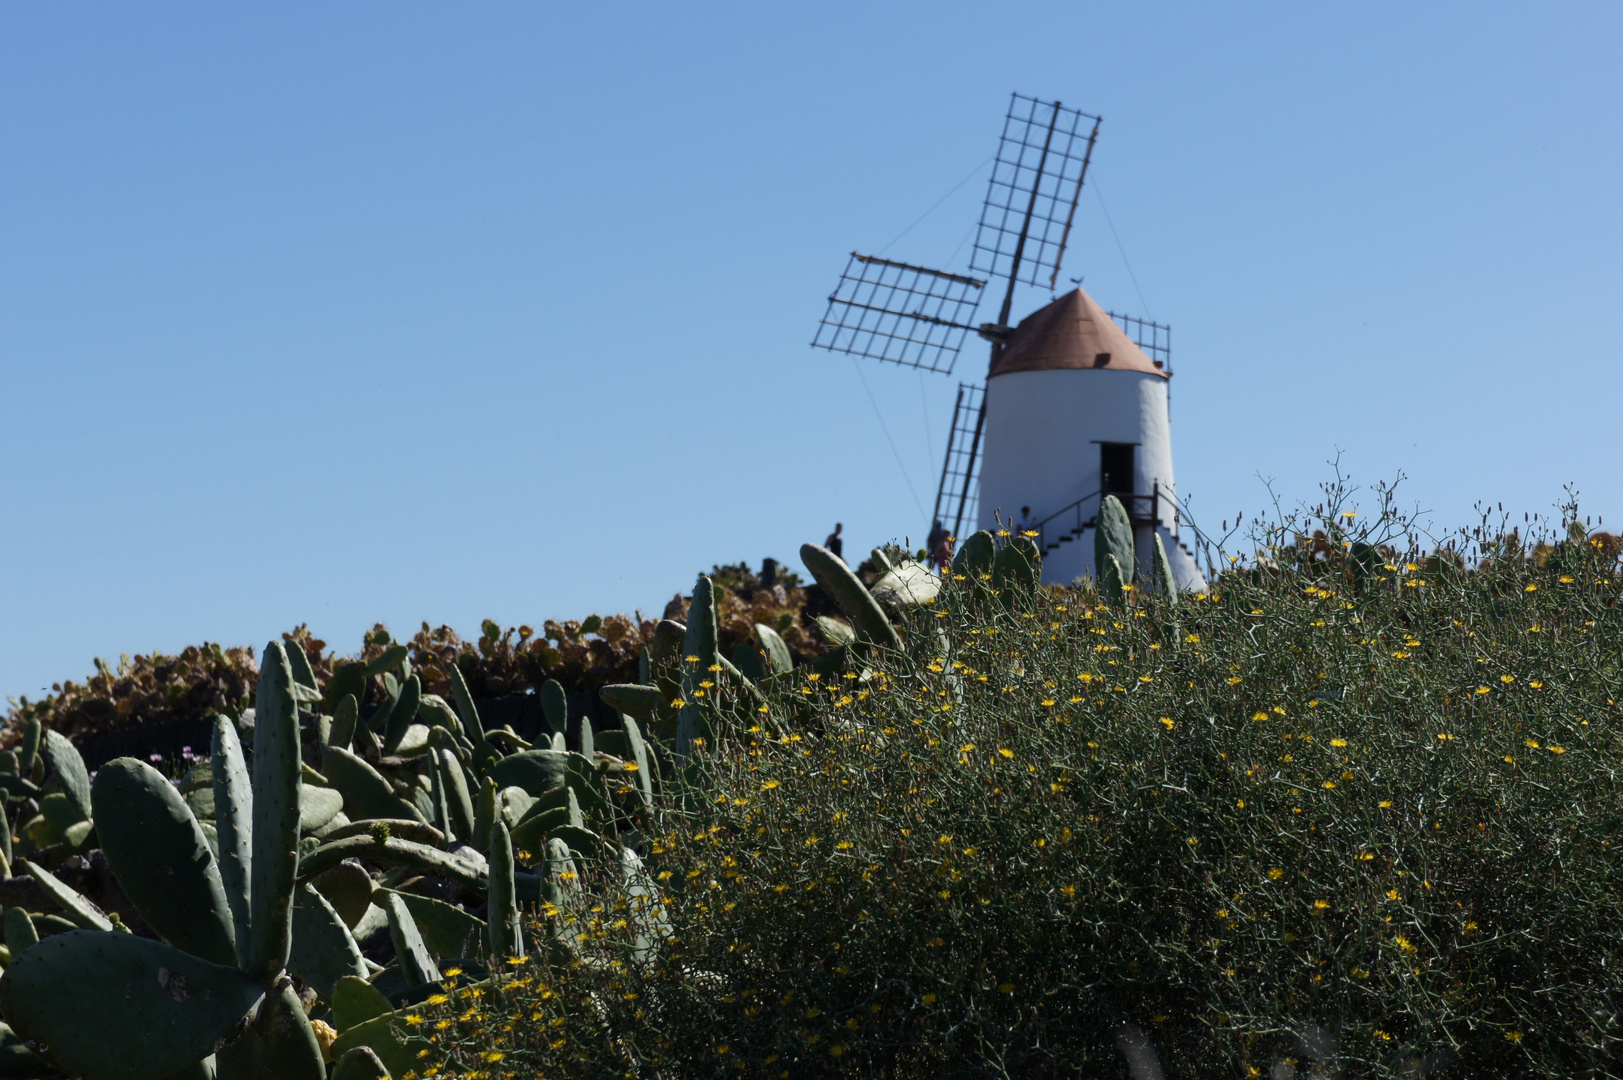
[1362, 819]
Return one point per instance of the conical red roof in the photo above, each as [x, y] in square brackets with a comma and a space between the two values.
[1072, 332]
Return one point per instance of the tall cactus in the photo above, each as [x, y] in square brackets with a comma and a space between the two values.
[277, 780]
[695, 721]
[234, 826]
[1113, 536]
[1163, 570]
[502, 918]
[1111, 584]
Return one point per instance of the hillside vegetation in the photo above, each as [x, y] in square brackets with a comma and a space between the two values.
[1354, 812]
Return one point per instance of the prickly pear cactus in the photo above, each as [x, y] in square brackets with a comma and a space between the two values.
[1163, 570]
[162, 859]
[848, 591]
[118, 1007]
[1113, 536]
[277, 780]
[234, 827]
[1110, 581]
[1017, 569]
[974, 556]
[506, 929]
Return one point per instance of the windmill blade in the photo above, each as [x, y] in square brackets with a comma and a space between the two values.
[1153, 337]
[1042, 159]
[957, 496]
[909, 315]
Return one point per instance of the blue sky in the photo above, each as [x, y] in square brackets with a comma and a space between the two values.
[345, 313]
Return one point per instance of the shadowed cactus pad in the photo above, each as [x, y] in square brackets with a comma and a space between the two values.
[110, 1006]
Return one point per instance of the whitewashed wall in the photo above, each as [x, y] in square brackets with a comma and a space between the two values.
[1040, 449]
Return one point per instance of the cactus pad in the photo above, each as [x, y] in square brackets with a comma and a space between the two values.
[162, 859]
[119, 1007]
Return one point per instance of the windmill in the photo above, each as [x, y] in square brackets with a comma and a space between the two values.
[1074, 406]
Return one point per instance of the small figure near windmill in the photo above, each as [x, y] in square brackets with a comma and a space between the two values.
[1075, 404]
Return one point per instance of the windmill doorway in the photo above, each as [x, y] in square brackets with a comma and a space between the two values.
[1116, 468]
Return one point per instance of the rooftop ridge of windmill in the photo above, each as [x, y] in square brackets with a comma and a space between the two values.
[1076, 404]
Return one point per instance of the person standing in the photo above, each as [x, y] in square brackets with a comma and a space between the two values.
[939, 546]
[834, 543]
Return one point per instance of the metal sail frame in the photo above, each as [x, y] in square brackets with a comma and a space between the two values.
[919, 317]
[1005, 182]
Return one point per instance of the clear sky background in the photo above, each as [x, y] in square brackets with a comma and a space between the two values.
[403, 312]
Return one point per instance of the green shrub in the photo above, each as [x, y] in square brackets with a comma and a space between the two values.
[1348, 808]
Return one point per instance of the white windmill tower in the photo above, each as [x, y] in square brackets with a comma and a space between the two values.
[1075, 406]
[1076, 411]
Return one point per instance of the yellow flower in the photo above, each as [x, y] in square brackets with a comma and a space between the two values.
[1275, 874]
[1321, 905]
[1556, 749]
[1166, 722]
[1482, 690]
[928, 999]
[1507, 679]
[1338, 742]
[1514, 1036]
[769, 785]
[1005, 752]
[1234, 680]
[1531, 588]
[1259, 715]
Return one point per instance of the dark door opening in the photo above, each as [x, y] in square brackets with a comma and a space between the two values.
[1116, 468]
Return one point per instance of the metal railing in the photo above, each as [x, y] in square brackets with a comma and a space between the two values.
[1141, 510]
